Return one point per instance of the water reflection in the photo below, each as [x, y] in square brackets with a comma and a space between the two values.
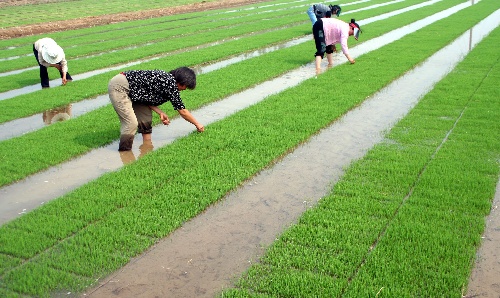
[145, 148]
[57, 114]
[25, 125]
[129, 156]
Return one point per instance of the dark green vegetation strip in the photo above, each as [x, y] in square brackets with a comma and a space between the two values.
[31, 153]
[68, 243]
[406, 220]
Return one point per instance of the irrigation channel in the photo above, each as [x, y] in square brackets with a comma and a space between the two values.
[194, 261]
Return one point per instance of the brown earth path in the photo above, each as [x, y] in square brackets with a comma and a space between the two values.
[85, 22]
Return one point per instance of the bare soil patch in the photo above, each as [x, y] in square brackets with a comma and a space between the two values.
[85, 22]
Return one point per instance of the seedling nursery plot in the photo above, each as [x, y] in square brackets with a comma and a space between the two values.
[404, 221]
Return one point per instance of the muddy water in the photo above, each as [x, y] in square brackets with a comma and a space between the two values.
[208, 252]
[484, 281]
[25, 125]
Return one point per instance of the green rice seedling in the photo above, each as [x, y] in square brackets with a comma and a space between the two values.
[8, 262]
[79, 66]
[48, 279]
[68, 130]
[70, 38]
[126, 55]
[288, 283]
[239, 293]
[454, 233]
[95, 250]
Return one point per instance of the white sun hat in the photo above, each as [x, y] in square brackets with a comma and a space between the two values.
[52, 52]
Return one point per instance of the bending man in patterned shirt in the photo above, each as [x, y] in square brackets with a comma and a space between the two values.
[136, 93]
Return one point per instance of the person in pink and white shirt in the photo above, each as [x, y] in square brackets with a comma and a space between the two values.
[327, 33]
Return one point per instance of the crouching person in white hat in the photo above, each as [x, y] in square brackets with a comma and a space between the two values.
[134, 94]
[49, 54]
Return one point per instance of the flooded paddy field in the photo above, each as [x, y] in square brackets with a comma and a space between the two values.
[196, 262]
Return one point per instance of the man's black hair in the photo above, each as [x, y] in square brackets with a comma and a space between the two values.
[185, 76]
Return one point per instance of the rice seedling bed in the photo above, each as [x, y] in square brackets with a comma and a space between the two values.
[101, 121]
[115, 226]
[175, 39]
[405, 220]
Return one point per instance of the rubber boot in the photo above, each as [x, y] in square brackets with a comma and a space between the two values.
[126, 142]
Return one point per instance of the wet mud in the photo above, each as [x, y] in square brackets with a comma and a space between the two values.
[484, 281]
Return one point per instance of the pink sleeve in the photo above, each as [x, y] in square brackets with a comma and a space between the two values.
[343, 42]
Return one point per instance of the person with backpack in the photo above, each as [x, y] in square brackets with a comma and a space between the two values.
[318, 11]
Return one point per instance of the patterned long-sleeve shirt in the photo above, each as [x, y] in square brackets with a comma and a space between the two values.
[153, 88]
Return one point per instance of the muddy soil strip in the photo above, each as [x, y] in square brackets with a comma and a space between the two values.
[484, 281]
[37, 189]
[208, 252]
